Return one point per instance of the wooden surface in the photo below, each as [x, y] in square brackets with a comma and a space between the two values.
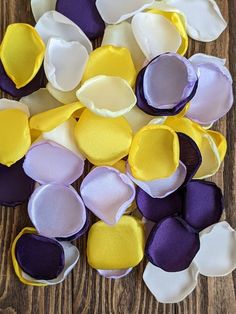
[84, 291]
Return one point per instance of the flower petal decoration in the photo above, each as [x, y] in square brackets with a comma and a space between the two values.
[21, 186]
[118, 187]
[217, 255]
[57, 210]
[116, 12]
[107, 249]
[39, 7]
[84, 14]
[111, 61]
[63, 97]
[13, 104]
[23, 46]
[14, 135]
[99, 146]
[54, 24]
[39, 257]
[211, 24]
[48, 162]
[166, 97]
[220, 142]
[171, 245]
[152, 147]
[121, 35]
[65, 63]
[170, 287]
[137, 118]
[107, 96]
[114, 274]
[214, 96]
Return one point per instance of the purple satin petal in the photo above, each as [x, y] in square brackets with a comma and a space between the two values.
[171, 246]
[114, 274]
[40, 257]
[84, 14]
[190, 156]
[8, 86]
[15, 186]
[150, 85]
[156, 209]
[203, 204]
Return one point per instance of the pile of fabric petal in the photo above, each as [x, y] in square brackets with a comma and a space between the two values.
[138, 114]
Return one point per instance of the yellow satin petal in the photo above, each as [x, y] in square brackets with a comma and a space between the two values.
[49, 120]
[220, 142]
[120, 166]
[22, 53]
[154, 153]
[111, 61]
[104, 141]
[119, 246]
[178, 21]
[16, 266]
[183, 112]
[15, 136]
[35, 134]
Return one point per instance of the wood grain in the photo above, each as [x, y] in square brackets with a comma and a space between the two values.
[84, 291]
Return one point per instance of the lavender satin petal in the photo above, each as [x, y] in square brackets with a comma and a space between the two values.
[15, 186]
[203, 204]
[156, 209]
[171, 246]
[114, 274]
[190, 155]
[40, 257]
[84, 14]
[8, 86]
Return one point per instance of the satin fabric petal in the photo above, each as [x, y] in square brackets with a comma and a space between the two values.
[114, 274]
[63, 97]
[220, 142]
[13, 104]
[138, 118]
[39, 7]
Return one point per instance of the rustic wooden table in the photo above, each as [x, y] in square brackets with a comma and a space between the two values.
[84, 291]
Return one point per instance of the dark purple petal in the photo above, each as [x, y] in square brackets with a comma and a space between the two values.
[156, 209]
[203, 204]
[84, 13]
[172, 246]
[190, 155]
[15, 186]
[8, 86]
[40, 257]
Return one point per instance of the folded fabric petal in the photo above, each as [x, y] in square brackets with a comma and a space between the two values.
[63, 97]
[39, 7]
[107, 96]
[48, 162]
[57, 210]
[121, 35]
[203, 204]
[170, 287]
[217, 255]
[111, 61]
[54, 24]
[137, 118]
[154, 153]
[118, 11]
[14, 135]
[169, 96]
[214, 96]
[114, 274]
[156, 209]
[9, 87]
[220, 142]
[84, 14]
[22, 53]
[162, 187]
[98, 145]
[39, 257]
[13, 104]
[15, 186]
[209, 26]
[107, 249]
[65, 63]
[119, 190]
[171, 245]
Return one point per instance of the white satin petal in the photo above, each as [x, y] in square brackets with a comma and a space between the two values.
[201, 58]
[217, 254]
[39, 7]
[114, 274]
[137, 118]
[170, 287]
[155, 34]
[40, 101]
[162, 187]
[107, 96]
[204, 19]
[64, 63]
[121, 35]
[63, 97]
[114, 12]
[54, 24]
[13, 104]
